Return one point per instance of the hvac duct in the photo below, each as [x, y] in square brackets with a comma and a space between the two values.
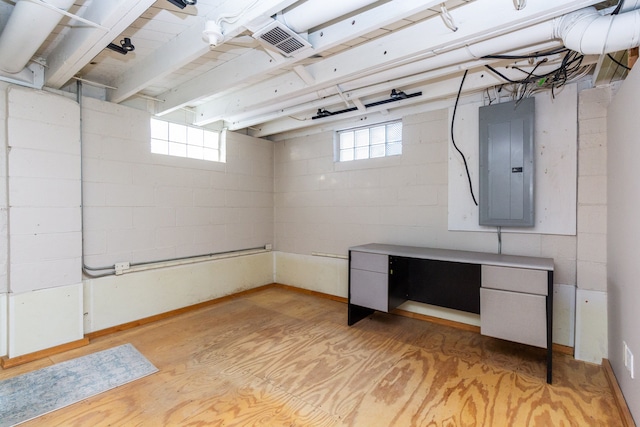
[591, 33]
[28, 27]
[315, 12]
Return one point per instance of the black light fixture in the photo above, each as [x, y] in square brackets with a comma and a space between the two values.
[397, 94]
[182, 3]
[124, 48]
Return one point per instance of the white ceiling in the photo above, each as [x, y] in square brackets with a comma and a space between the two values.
[356, 56]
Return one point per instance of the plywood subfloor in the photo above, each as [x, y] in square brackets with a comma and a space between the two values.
[282, 358]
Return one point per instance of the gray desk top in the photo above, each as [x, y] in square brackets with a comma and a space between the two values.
[458, 256]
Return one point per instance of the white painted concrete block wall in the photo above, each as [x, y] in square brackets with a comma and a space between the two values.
[4, 232]
[143, 207]
[591, 264]
[592, 188]
[4, 206]
[44, 190]
[44, 304]
[322, 206]
[401, 199]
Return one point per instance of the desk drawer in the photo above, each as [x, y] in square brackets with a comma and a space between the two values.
[514, 316]
[370, 262]
[369, 289]
[515, 279]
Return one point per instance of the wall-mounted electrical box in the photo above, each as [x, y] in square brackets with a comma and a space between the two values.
[506, 164]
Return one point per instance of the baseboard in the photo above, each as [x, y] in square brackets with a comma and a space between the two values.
[621, 403]
[437, 320]
[310, 292]
[564, 349]
[7, 362]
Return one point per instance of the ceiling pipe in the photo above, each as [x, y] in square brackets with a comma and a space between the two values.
[625, 26]
[590, 33]
[28, 27]
[366, 87]
[315, 12]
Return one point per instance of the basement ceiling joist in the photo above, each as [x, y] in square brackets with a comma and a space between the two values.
[356, 56]
[259, 63]
[420, 41]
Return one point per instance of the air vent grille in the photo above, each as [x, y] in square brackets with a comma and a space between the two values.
[281, 38]
[275, 36]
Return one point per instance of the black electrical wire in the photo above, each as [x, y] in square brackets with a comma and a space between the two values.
[618, 7]
[453, 119]
[570, 67]
[618, 62]
[532, 56]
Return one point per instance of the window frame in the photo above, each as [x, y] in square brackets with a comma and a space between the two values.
[187, 141]
[390, 147]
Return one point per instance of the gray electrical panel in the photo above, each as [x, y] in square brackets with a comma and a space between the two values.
[506, 164]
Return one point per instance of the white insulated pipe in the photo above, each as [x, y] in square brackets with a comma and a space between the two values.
[28, 27]
[590, 33]
[315, 12]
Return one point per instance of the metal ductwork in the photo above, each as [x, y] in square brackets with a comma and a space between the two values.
[315, 12]
[281, 34]
[29, 25]
[590, 33]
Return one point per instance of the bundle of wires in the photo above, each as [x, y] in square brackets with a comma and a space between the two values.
[570, 69]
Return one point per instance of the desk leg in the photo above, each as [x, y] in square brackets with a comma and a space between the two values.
[357, 313]
[549, 326]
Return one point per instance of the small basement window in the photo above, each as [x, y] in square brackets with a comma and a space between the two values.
[186, 141]
[380, 140]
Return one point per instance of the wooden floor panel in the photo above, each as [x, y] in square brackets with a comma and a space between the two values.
[282, 358]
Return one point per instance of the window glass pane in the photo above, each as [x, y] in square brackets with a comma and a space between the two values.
[362, 138]
[377, 150]
[346, 140]
[377, 135]
[177, 149]
[394, 148]
[185, 141]
[194, 152]
[211, 154]
[369, 142]
[211, 140]
[195, 136]
[159, 146]
[177, 133]
[394, 132]
[362, 153]
[346, 155]
[159, 129]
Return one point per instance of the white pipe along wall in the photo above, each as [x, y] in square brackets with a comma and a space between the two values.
[28, 27]
[590, 33]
